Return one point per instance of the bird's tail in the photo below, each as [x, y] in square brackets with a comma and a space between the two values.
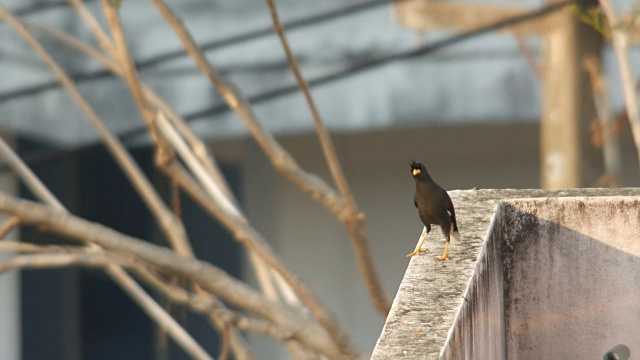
[453, 232]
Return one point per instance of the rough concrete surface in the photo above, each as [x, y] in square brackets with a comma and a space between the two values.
[572, 269]
[430, 298]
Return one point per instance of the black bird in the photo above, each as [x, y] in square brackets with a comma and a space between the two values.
[434, 208]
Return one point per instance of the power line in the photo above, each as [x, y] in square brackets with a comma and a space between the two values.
[35, 7]
[207, 46]
[285, 90]
[366, 65]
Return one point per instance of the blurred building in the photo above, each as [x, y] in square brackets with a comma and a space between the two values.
[470, 112]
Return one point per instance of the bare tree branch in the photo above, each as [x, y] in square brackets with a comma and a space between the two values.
[9, 225]
[205, 305]
[241, 230]
[352, 217]
[172, 227]
[134, 290]
[238, 344]
[157, 313]
[196, 145]
[279, 157]
[170, 224]
[325, 140]
[25, 247]
[22, 170]
[92, 258]
[197, 168]
[205, 275]
[179, 123]
[103, 39]
[54, 260]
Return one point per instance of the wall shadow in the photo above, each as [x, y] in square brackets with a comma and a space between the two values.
[543, 290]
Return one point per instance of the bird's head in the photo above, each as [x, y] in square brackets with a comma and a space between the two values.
[417, 168]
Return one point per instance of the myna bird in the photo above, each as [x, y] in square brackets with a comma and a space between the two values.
[434, 208]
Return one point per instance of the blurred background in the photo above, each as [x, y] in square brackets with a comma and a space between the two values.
[513, 108]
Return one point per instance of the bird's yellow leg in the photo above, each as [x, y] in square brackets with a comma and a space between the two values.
[444, 256]
[417, 251]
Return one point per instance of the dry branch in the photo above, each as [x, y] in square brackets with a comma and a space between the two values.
[207, 305]
[236, 101]
[203, 274]
[120, 276]
[171, 226]
[238, 344]
[281, 159]
[102, 38]
[9, 225]
[352, 217]
[55, 260]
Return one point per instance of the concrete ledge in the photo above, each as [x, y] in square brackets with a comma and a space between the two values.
[556, 270]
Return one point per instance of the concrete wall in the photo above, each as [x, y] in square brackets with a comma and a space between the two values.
[479, 328]
[572, 268]
[558, 277]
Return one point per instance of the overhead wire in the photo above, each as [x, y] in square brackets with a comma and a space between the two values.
[207, 46]
[327, 78]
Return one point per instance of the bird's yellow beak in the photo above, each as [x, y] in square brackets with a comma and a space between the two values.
[415, 172]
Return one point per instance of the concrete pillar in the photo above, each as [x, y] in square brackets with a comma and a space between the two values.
[567, 159]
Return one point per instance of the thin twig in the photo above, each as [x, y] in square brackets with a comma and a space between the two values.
[528, 55]
[209, 305]
[603, 128]
[173, 228]
[9, 225]
[130, 72]
[281, 159]
[101, 36]
[621, 48]
[55, 260]
[325, 140]
[197, 168]
[22, 170]
[156, 312]
[352, 217]
[224, 348]
[204, 304]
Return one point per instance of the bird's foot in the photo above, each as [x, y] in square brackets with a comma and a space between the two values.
[445, 255]
[416, 252]
[442, 258]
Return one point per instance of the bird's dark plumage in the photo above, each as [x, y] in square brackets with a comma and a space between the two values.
[434, 207]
